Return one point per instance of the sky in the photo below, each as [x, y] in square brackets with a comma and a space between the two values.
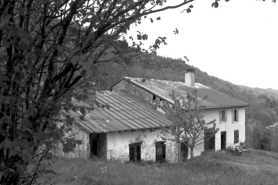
[237, 42]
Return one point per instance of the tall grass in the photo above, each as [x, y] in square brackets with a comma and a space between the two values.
[211, 169]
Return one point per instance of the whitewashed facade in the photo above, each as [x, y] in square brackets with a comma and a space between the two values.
[117, 143]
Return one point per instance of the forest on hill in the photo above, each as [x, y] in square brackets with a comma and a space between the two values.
[261, 115]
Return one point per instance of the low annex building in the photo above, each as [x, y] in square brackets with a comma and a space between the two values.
[130, 129]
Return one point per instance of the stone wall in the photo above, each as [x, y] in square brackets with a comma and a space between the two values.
[135, 90]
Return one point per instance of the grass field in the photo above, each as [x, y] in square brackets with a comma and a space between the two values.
[254, 168]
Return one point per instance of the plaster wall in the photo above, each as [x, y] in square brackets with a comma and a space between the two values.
[229, 126]
[118, 145]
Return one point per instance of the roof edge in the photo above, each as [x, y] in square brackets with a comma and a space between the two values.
[134, 83]
[113, 85]
[131, 130]
[227, 106]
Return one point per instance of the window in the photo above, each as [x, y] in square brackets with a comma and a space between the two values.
[184, 151]
[135, 152]
[235, 115]
[161, 102]
[209, 140]
[160, 149]
[155, 101]
[236, 136]
[222, 116]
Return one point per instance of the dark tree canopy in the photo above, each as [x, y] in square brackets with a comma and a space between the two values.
[47, 49]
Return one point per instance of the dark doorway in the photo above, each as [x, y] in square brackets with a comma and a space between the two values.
[94, 145]
[209, 141]
[98, 145]
[160, 153]
[135, 152]
[184, 151]
[223, 140]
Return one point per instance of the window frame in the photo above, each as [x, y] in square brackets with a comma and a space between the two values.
[235, 115]
[209, 143]
[135, 156]
[221, 116]
[236, 136]
[163, 156]
[184, 151]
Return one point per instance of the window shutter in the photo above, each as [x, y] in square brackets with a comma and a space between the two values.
[138, 153]
[135, 153]
[220, 116]
[164, 151]
[233, 115]
[225, 115]
[131, 153]
[237, 118]
[236, 136]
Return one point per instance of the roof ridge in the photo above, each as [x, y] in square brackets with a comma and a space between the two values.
[215, 97]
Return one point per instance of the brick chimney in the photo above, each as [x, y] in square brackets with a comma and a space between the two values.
[190, 77]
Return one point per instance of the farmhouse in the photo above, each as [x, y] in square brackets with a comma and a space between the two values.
[128, 129]
[131, 127]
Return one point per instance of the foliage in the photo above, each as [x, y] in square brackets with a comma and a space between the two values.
[51, 51]
[189, 126]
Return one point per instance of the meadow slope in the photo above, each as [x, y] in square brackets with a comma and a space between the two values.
[215, 168]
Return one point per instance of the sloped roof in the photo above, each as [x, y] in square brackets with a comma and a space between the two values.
[125, 112]
[163, 89]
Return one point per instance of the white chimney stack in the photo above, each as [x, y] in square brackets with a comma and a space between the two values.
[190, 77]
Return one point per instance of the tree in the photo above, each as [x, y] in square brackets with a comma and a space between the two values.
[189, 125]
[274, 137]
[47, 49]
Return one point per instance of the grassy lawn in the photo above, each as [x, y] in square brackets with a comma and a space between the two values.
[256, 167]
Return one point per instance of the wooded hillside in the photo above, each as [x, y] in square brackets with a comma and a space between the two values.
[261, 113]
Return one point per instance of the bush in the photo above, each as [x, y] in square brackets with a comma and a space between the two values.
[242, 145]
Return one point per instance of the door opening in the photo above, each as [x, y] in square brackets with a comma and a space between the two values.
[160, 151]
[184, 151]
[223, 140]
[98, 145]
